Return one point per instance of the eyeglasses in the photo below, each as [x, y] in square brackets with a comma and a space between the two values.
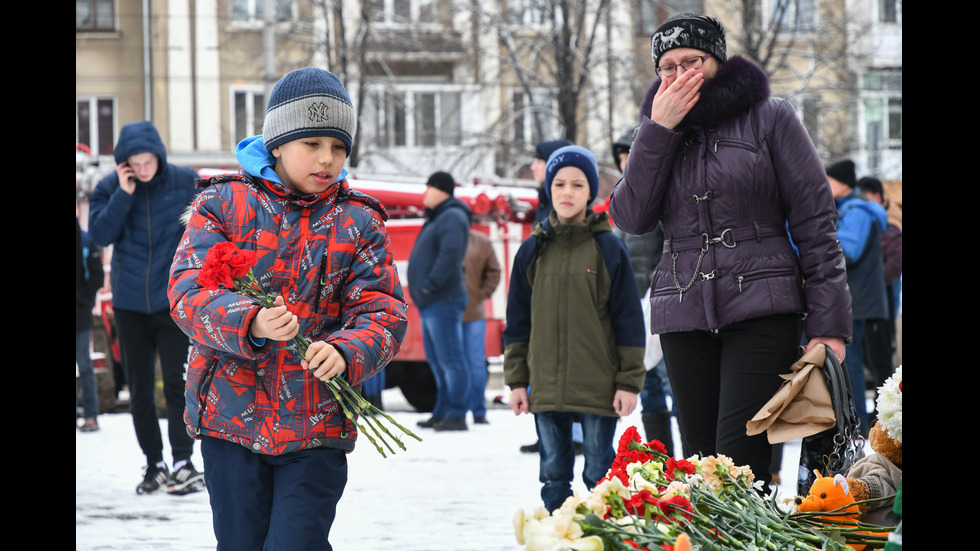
[692, 63]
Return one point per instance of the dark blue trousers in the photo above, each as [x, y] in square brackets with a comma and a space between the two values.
[273, 502]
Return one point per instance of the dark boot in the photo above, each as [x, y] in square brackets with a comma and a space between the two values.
[656, 426]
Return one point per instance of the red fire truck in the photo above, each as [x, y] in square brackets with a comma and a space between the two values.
[504, 212]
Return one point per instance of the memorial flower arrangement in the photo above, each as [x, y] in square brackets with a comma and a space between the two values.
[228, 267]
[648, 499]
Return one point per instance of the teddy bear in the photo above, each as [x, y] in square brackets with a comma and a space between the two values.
[878, 475]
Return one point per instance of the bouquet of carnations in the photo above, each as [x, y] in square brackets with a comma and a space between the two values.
[228, 267]
[648, 499]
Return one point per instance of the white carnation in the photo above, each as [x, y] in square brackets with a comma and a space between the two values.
[889, 405]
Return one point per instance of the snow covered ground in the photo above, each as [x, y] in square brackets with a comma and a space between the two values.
[452, 492]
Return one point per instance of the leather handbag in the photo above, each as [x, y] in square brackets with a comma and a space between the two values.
[834, 450]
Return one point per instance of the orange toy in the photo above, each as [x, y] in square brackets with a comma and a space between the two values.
[833, 494]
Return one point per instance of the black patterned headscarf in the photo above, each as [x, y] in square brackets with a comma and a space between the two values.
[689, 30]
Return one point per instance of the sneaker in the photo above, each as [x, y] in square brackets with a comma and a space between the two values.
[185, 480]
[430, 422]
[451, 423]
[90, 425]
[480, 420]
[153, 478]
[531, 448]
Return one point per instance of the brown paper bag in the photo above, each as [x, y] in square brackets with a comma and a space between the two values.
[801, 407]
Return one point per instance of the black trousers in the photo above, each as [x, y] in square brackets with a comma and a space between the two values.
[721, 379]
[141, 338]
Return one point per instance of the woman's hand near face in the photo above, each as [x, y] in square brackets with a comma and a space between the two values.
[672, 102]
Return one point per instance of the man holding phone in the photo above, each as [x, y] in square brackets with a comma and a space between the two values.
[137, 210]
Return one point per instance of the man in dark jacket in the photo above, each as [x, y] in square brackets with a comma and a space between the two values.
[859, 227]
[137, 210]
[437, 287]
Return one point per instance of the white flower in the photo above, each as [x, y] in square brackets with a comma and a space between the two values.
[889, 405]
[596, 500]
[523, 518]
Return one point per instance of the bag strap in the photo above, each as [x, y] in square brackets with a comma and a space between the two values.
[839, 384]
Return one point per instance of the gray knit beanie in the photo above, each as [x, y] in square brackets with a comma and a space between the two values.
[689, 30]
[309, 103]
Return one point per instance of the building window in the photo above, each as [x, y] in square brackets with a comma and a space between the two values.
[253, 11]
[422, 116]
[533, 117]
[882, 113]
[403, 11]
[95, 15]
[648, 16]
[529, 13]
[95, 124]
[248, 112]
[794, 15]
[890, 11]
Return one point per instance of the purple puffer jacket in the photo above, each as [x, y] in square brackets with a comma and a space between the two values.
[726, 183]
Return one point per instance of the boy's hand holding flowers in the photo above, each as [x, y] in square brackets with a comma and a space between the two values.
[324, 360]
[276, 323]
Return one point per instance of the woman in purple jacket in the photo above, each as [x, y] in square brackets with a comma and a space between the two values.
[726, 168]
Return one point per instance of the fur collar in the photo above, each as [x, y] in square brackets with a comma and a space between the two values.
[737, 86]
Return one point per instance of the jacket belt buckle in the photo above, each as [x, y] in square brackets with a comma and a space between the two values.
[726, 238]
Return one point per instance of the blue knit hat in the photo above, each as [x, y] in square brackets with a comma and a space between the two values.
[579, 157]
[309, 103]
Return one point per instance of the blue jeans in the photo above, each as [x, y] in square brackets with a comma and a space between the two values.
[272, 502]
[558, 456]
[854, 361]
[90, 396]
[442, 336]
[475, 348]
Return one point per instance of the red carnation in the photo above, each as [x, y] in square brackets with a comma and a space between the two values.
[677, 503]
[674, 465]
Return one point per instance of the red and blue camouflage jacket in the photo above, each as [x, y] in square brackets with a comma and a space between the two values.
[329, 257]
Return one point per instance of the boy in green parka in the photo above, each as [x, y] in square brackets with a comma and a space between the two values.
[574, 328]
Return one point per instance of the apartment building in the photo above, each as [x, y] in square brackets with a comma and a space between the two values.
[468, 86]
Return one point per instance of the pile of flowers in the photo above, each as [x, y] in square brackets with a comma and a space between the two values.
[228, 267]
[648, 499]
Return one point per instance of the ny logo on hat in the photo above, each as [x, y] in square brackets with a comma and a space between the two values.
[318, 113]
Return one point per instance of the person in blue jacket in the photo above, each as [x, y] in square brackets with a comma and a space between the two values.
[137, 210]
[860, 224]
[438, 289]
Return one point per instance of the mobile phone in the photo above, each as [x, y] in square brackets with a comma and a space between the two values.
[131, 178]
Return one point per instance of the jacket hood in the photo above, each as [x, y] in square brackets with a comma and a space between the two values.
[738, 85]
[858, 200]
[140, 137]
[256, 160]
[623, 144]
